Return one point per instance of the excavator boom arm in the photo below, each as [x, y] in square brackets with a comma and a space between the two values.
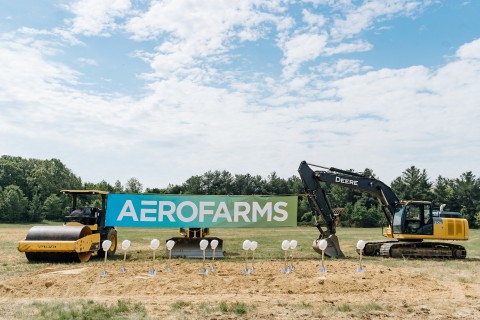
[316, 194]
[318, 200]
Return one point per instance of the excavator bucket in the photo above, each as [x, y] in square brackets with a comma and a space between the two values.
[190, 248]
[333, 247]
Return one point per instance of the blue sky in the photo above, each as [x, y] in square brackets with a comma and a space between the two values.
[164, 90]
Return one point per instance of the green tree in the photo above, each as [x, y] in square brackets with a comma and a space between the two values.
[117, 187]
[466, 197]
[102, 185]
[362, 217]
[304, 214]
[442, 192]
[53, 208]
[13, 205]
[193, 185]
[50, 176]
[216, 182]
[133, 185]
[14, 171]
[294, 185]
[276, 185]
[246, 184]
[346, 220]
[11, 174]
[35, 210]
[413, 184]
[224, 183]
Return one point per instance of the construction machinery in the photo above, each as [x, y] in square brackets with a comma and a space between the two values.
[187, 245]
[409, 222]
[81, 235]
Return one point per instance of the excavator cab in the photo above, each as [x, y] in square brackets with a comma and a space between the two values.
[415, 220]
[413, 217]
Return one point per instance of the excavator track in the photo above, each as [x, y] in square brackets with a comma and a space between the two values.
[405, 249]
[372, 248]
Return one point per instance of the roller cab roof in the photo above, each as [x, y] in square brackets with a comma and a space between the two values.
[85, 192]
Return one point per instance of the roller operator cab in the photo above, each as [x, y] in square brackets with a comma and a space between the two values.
[78, 238]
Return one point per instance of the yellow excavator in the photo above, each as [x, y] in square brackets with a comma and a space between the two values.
[81, 235]
[409, 222]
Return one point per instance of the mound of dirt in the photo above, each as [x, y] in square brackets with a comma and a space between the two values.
[304, 292]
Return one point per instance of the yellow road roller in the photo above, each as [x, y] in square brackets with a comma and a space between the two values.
[81, 235]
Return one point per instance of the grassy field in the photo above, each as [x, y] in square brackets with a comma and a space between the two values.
[269, 241]
[14, 264]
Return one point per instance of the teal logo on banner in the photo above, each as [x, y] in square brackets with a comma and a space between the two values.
[195, 211]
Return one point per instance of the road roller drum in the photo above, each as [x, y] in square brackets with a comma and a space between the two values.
[62, 233]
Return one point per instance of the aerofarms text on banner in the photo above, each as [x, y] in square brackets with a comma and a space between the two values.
[197, 211]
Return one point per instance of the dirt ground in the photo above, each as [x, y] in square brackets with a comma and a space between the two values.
[386, 289]
[380, 292]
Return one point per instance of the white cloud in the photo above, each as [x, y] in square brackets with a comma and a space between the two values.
[313, 20]
[363, 17]
[302, 48]
[17, 80]
[349, 47]
[336, 35]
[188, 31]
[86, 61]
[97, 17]
[470, 50]
[342, 68]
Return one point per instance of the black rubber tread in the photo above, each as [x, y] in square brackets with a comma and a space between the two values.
[52, 256]
[423, 250]
[372, 248]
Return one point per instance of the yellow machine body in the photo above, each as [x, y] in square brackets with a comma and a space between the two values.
[87, 243]
[194, 232]
[443, 229]
[77, 239]
[414, 222]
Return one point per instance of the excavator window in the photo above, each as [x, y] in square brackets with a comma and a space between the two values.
[418, 218]
[427, 221]
[413, 218]
[398, 219]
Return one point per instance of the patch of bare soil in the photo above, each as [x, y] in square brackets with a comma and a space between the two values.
[379, 292]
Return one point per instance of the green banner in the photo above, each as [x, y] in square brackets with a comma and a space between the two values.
[196, 211]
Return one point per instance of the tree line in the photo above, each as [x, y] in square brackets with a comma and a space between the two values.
[29, 191]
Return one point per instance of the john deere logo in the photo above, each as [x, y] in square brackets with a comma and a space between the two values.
[346, 181]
